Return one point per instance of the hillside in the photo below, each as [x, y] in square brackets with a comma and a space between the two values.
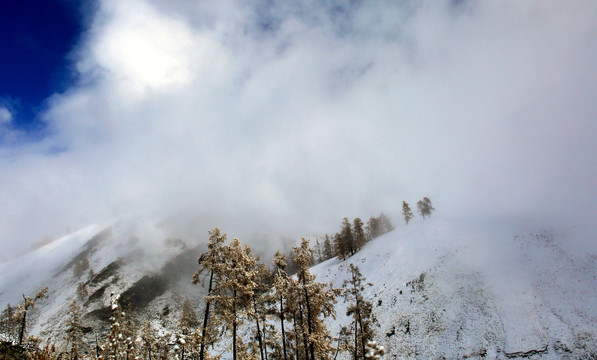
[442, 288]
[456, 289]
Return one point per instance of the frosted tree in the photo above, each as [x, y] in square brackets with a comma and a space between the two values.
[374, 351]
[74, 334]
[385, 223]
[373, 228]
[147, 341]
[425, 207]
[82, 291]
[358, 233]
[316, 302]
[281, 286]
[119, 345]
[80, 267]
[188, 319]
[25, 307]
[344, 241]
[361, 311]
[261, 304]
[377, 226]
[8, 324]
[406, 212]
[210, 267]
[233, 293]
[328, 249]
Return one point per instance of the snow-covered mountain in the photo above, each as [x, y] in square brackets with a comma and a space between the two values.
[442, 288]
[152, 272]
[449, 289]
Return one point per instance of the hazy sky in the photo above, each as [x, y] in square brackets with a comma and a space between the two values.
[268, 117]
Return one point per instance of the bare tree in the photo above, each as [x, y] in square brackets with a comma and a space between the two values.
[24, 308]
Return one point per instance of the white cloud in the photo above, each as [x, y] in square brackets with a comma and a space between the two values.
[269, 118]
[5, 116]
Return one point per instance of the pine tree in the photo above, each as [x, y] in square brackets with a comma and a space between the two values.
[361, 311]
[373, 228]
[82, 291]
[358, 234]
[406, 212]
[316, 302]
[115, 347]
[425, 207]
[8, 324]
[281, 280]
[344, 241]
[24, 308]
[74, 334]
[80, 267]
[233, 293]
[385, 223]
[147, 341]
[328, 250]
[188, 319]
[262, 301]
[210, 266]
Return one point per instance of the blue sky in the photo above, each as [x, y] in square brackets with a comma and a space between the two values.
[280, 118]
[36, 38]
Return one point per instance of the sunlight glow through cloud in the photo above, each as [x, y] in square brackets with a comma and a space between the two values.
[268, 118]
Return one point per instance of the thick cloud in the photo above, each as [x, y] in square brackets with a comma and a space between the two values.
[277, 119]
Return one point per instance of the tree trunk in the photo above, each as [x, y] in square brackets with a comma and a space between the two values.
[205, 318]
[309, 325]
[305, 342]
[22, 330]
[234, 327]
[282, 326]
[356, 341]
[258, 330]
[360, 321]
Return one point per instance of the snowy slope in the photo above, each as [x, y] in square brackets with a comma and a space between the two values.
[121, 257]
[31, 272]
[443, 288]
[450, 289]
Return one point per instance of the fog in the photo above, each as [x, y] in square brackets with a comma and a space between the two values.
[268, 119]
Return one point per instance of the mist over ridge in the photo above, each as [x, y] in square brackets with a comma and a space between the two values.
[272, 120]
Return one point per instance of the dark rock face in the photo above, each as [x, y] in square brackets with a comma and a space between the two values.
[139, 295]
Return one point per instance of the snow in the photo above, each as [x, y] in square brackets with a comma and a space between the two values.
[488, 290]
[31, 272]
[441, 287]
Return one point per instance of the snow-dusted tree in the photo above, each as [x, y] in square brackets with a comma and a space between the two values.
[80, 267]
[328, 249]
[316, 302]
[233, 293]
[8, 324]
[119, 346]
[406, 212]
[188, 319]
[385, 223]
[374, 351]
[425, 207]
[281, 286]
[147, 343]
[24, 308]
[360, 309]
[74, 333]
[82, 291]
[262, 301]
[344, 241]
[210, 266]
[377, 226]
[358, 234]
